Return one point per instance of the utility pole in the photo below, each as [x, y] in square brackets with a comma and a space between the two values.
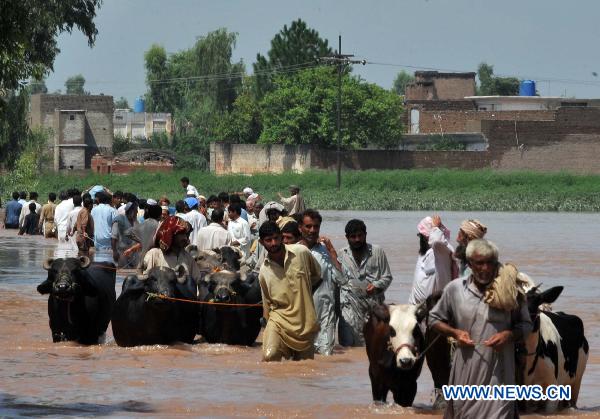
[342, 60]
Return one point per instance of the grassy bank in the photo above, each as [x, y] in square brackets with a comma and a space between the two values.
[481, 190]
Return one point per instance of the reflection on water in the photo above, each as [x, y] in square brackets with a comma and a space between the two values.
[40, 378]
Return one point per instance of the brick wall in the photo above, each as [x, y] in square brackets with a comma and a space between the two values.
[458, 121]
[433, 85]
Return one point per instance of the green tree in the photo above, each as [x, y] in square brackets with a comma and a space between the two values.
[37, 85]
[302, 110]
[157, 73]
[28, 32]
[244, 123]
[74, 85]
[121, 103]
[13, 127]
[490, 85]
[294, 47]
[401, 81]
[199, 87]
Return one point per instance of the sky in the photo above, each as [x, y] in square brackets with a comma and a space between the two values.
[552, 42]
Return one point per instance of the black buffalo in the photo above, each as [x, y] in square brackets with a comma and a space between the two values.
[81, 298]
[141, 319]
[233, 325]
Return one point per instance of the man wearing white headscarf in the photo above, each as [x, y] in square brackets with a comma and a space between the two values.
[432, 273]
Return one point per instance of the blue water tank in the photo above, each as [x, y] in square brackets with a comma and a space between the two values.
[139, 105]
[527, 88]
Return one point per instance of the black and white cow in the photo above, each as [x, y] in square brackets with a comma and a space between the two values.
[394, 343]
[557, 350]
[81, 298]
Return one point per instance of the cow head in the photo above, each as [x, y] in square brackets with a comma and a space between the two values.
[66, 279]
[406, 338]
[537, 298]
[206, 260]
[225, 286]
[222, 258]
[231, 257]
[164, 281]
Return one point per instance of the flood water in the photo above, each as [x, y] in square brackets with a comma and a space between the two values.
[40, 378]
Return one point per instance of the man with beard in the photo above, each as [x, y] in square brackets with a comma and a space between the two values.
[287, 277]
[433, 272]
[485, 334]
[469, 230]
[365, 278]
[324, 297]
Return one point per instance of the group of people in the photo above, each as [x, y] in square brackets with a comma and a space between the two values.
[480, 309]
[310, 290]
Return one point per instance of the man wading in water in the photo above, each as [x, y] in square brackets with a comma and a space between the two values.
[486, 319]
[287, 278]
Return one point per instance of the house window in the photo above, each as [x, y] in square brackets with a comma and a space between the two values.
[71, 117]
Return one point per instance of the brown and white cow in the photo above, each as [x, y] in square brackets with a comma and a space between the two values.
[557, 350]
[395, 345]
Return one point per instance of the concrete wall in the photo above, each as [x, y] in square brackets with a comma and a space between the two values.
[570, 142]
[255, 158]
[47, 110]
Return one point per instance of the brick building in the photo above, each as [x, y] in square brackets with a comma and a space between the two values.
[81, 127]
[433, 85]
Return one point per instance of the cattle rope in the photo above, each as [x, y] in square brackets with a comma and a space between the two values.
[213, 303]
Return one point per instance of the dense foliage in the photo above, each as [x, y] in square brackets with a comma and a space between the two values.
[293, 48]
[302, 110]
[28, 32]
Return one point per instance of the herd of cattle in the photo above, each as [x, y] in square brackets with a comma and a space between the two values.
[82, 301]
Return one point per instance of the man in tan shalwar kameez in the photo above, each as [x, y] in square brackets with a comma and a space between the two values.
[46, 224]
[287, 278]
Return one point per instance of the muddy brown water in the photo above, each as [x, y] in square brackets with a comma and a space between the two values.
[40, 378]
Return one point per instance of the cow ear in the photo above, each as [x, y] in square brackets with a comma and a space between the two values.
[217, 250]
[45, 287]
[381, 312]
[421, 311]
[192, 249]
[84, 262]
[550, 296]
[48, 263]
